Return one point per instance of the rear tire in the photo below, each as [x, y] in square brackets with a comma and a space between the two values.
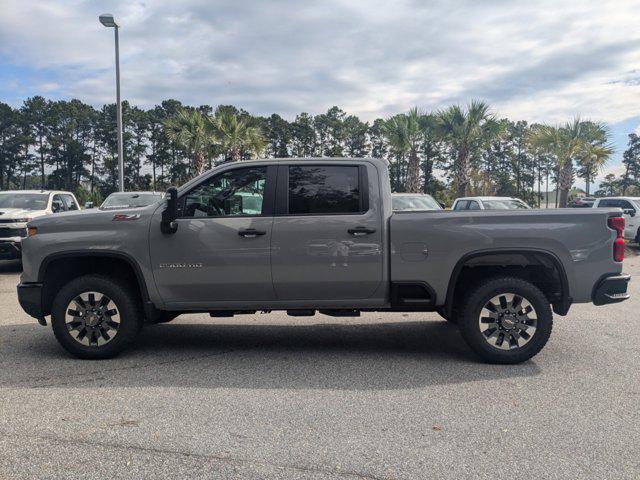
[95, 317]
[506, 320]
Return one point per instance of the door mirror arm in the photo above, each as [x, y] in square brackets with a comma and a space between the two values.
[168, 224]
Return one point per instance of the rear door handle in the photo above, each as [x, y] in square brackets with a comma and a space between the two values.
[250, 232]
[360, 231]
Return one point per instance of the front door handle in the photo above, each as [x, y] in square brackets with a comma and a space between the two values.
[361, 231]
[250, 232]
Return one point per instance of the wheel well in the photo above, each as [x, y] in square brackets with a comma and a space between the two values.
[541, 269]
[60, 271]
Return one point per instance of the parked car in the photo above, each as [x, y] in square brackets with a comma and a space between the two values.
[583, 202]
[325, 240]
[414, 202]
[17, 207]
[120, 200]
[630, 207]
[489, 203]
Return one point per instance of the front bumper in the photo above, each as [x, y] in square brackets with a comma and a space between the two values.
[611, 290]
[10, 248]
[30, 298]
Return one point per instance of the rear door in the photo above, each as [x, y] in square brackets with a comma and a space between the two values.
[327, 235]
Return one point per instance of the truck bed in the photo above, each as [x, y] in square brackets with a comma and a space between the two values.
[427, 246]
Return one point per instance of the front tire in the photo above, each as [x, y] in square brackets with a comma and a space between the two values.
[95, 317]
[506, 320]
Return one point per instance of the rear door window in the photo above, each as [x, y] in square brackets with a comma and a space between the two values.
[462, 205]
[473, 205]
[324, 189]
[609, 203]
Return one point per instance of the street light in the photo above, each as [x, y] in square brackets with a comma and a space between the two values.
[107, 20]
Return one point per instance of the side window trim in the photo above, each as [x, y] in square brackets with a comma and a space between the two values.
[268, 202]
[282, 190]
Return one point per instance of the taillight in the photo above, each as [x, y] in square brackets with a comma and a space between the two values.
[617, 224]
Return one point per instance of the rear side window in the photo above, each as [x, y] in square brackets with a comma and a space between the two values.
[462, 205]
[473, 205]
[608, 203]
[320, 189]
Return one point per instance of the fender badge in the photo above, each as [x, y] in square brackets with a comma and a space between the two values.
[123, 217]
[180, 265]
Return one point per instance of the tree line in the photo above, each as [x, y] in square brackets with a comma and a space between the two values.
[457, 151]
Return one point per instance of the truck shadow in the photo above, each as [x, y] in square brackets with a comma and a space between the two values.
[374, 356]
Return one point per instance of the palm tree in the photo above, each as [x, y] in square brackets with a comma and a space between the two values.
[466, 131]
[595, 152]
[237, 135]
[566, 144]
[191, 130]
[405, 133]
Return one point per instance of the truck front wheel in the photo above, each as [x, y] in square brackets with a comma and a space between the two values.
[506, 320]
[94, 317]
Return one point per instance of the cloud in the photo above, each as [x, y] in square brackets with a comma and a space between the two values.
[540, 60]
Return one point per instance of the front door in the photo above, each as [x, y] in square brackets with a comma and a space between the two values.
[221, 250]
[327, 236]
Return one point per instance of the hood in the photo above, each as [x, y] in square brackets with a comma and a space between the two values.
[11, 213]
[91, 219]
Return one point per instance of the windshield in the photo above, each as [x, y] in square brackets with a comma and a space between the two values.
[506, 204]
[130, 200]
[24, 201]
[415, 202]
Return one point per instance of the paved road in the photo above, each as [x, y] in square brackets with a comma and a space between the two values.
[269, 396]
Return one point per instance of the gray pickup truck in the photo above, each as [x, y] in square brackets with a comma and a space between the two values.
[316, 236]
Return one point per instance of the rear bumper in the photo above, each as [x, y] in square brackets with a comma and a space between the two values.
[611, 290]
[30, 298]
[10, 249]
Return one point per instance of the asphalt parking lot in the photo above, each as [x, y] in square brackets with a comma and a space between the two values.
[271, 396]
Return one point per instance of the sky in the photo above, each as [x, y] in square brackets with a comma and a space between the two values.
[541, 61]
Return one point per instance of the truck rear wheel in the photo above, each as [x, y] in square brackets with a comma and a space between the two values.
[94, 317]
[506, 320]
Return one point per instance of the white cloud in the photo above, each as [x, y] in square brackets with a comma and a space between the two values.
[540, 60]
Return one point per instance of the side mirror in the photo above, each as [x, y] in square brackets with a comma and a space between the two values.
[169, 215]
[442, 205]
[88, 205]
[55, 207]
[629, 211]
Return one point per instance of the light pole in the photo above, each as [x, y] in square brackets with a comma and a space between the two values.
[107, 20]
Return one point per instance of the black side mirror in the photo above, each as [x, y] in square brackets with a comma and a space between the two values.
[442, 205]
[629, 211]
[169, 215]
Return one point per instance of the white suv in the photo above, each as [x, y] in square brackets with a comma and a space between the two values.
[630, 206]
[17, 207]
